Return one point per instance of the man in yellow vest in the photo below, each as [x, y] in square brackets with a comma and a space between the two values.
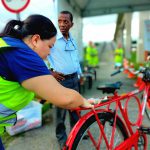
[94, 55]
[118, 56]
[91, 55]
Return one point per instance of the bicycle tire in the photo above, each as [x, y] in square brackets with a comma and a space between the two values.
[142, 142]
[105, 117]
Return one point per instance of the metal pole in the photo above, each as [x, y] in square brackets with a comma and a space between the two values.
[18, 16]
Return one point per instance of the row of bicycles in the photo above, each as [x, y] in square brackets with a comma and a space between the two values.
[109, 125]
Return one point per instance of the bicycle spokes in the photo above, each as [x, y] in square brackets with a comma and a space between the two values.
[96, 140]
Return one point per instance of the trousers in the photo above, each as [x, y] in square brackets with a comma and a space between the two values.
[72, 83]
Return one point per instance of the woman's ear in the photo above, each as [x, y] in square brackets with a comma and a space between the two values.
[34, 39]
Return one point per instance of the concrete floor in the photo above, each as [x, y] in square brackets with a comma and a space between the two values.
[43, 138]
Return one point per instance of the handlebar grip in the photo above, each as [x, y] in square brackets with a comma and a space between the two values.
[118, 71]
[115, 73]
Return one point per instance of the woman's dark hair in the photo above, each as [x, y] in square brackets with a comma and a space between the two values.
[34, 24]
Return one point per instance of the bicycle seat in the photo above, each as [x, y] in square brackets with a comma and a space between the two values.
[110, 87]
[146, 76]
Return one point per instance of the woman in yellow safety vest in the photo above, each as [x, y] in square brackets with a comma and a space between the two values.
[23, 73]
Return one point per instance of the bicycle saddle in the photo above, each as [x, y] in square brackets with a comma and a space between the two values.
[110, 87]
[146, 76]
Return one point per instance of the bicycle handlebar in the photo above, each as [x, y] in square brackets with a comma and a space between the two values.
[141, 70]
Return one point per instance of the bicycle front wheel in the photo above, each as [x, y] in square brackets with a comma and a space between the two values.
[97, 141]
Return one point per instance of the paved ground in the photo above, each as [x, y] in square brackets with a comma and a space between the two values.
[44, 138]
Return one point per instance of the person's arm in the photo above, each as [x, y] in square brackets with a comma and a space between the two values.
[49, 89]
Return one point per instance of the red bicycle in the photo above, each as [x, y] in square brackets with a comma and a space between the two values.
[109, 125]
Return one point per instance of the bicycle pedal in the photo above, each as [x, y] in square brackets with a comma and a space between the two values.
[145, 130]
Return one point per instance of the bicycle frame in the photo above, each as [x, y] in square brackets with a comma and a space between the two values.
[133, 136]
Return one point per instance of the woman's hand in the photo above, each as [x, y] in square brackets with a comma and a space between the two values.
[88, 104]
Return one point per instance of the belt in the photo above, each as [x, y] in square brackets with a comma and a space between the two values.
[70, 75]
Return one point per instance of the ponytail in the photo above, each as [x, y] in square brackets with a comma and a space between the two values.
[34, 24]
[13, 29]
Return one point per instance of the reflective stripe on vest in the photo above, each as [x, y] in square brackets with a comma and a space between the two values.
[10, 120]
[7, 116]
[5, 112]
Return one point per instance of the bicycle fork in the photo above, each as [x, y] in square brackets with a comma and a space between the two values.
[103, 135]
[102, 131]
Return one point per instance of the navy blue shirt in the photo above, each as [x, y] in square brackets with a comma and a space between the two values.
[20, 62]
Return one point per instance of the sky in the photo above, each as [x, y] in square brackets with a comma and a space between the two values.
[102, 28]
